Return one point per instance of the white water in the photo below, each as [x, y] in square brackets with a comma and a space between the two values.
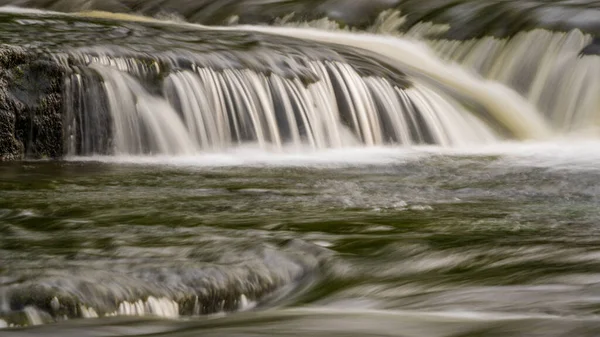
[263, 104]
[564, 154]
[87, 312]
[223, 109]
[34, 316]
[505, 105]
[220, 109]
[160, 307]
[134, 111]
[21, 10]
[227, 108]
[545, 67]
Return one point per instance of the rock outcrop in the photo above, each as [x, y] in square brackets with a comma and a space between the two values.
[30, 105]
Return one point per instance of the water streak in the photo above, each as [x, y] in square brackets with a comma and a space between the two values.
[34, 316]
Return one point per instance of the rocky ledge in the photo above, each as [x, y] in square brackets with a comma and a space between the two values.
[30, 105]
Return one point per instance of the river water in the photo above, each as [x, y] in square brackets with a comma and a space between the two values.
[340, 171]
[497, 241]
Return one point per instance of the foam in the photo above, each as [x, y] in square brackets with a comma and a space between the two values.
[563, 154]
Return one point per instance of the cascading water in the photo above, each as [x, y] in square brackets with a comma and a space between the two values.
[554, 71]
[141, 122]
[199, 108]
[545, 67]
[201, 104]
[145, 100]
[421, 242]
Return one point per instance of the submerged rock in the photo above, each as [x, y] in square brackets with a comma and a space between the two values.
[30, 105]
[213, 278]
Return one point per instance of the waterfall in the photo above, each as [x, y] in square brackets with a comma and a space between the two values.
[112, 110]
[545, 67]
[210, 101]
[150, 87]
[299, 87]
[556, 72]
[505, 106]
[338, 110]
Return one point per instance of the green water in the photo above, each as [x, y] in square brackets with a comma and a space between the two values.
[358, 243]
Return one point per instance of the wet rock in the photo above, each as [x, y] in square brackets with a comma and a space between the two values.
[30, 105]
[592, 49]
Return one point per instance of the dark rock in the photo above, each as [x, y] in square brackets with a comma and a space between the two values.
[591, 49]
[30, 105]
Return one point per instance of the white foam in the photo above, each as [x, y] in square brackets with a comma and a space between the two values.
[161, 307]
[256, 157]
[563, 153]
[245, 304]
[27, 213]
[87, 312]
[322, 243]
[560, 154]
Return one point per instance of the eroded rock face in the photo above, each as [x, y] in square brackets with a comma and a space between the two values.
[30, 105]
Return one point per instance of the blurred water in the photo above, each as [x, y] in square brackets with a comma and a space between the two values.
[233, 238]
[494, 241]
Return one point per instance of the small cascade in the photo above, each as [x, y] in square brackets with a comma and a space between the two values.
[193, 287]
[545, 67]
[240, 105]
[503, 107]
[557, 72]
[160, 307]
[120, 105]
[34, 316]
[88, 312]
[142, 122]
[119, 112]
[214, 88]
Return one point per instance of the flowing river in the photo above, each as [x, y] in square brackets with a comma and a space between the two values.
[298, 168]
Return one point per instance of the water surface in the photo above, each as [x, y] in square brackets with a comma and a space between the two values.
[386, 241]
